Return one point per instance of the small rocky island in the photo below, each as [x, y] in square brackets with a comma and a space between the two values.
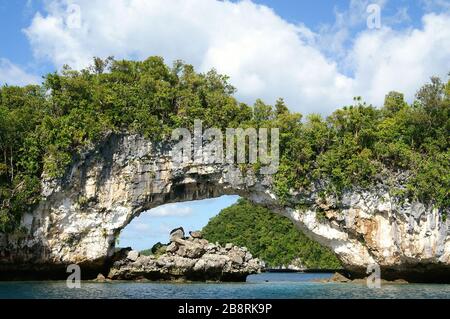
[190, 258]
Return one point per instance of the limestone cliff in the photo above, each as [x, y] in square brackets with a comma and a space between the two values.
[80, 216]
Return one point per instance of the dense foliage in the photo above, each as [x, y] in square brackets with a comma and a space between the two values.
[43, 128]
[268, 236]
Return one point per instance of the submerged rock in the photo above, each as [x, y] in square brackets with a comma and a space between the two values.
[189, 259]
[337, 277]
[340, 278]
[101, 278]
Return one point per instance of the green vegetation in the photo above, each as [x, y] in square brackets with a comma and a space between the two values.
[268, 236]
[158, 249]
[44, 128]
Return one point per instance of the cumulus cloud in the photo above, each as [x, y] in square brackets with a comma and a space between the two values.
[265, 56]
[334, 38]
[12, 74]
[141, 226]
[391, 60]
[170, 210]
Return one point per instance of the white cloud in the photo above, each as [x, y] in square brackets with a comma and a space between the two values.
[141, 226]
[265, 56]
[12, 74]
[171, 210]
[389, 60]
[334, 38]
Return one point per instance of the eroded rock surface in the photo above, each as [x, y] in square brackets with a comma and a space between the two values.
[81, 215]
[189, 259]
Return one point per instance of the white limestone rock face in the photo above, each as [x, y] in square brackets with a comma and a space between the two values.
[133, 255]
[372, 228]
[189, 259]
[81, 215]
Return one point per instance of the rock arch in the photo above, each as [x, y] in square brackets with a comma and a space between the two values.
[81, 215]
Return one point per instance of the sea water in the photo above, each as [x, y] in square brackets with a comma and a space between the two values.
[267, 285]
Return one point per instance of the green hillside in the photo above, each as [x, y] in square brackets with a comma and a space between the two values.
[268, 236]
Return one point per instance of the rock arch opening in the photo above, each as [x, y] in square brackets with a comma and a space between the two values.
[225, 238]
[80, 216]
[229, 220]
[153, 226]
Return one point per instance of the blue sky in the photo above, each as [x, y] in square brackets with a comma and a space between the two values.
[154, 225]
[15, 16]
[316, 54]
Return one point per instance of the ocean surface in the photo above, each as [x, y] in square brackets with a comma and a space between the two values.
[268, 285]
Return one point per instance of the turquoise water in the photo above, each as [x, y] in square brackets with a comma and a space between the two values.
[270, 285]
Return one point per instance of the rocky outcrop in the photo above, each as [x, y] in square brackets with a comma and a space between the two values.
[81, 215]
[177, 233]
[340, 278]
[190, 258]
[406, 240]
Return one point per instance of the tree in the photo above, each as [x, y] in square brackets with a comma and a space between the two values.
[280, 107]
[394, 102]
